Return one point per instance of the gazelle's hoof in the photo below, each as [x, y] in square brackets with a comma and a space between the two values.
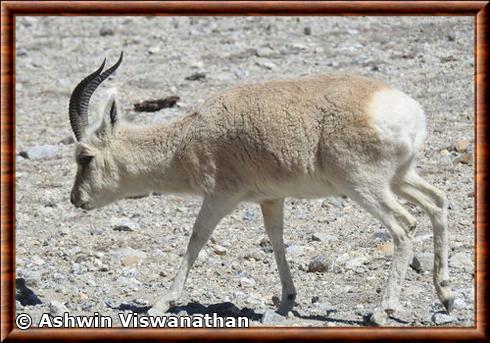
[449, 304]
[377, 318]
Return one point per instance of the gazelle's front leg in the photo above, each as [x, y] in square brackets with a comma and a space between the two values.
[213, 209]
[272, 210]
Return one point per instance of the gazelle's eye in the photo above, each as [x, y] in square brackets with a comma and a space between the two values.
[85, 159]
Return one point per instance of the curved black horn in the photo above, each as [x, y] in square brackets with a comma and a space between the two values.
[81, 97]
[77, 121]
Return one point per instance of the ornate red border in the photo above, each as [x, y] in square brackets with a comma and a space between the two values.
[11, 9]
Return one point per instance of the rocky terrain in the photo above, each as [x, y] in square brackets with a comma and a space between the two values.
[121, 257]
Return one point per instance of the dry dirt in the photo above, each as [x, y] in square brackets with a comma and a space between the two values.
[78, 259]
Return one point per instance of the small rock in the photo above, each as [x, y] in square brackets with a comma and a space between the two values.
[41, 152]
[57, 308]
[263, 52]
[129, 257]
[267, 64]
[323, 237]
[241, 73]
[157, 104]
[440, 318]
[154, 50]
[460, 303]
[249, 214]
[461, 260]
[294, 249]
[21, 52]
[327, 308]
[72, 251]
[466, 158]
[271, 317]
[307, 30]
[37, 260]
[415, 265]
[266, 245]
[355, 263]
[219, 250]
[290, 315]
[381, 236]
[445, 152]
[319, 264]
[197, 65]
[130, 261]
[196, 76]
[462, 145]
[385, 248]
[127, 225]
[245, 281]
[130, 282]
[424, 262]
[106, 32]
[451, 37]
[336, 202]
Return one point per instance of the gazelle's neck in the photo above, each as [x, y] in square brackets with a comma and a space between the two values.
[149, 158]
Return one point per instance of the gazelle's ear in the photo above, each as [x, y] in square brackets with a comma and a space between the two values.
[110, 117]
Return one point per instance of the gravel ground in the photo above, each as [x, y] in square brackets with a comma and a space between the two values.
[119, 258]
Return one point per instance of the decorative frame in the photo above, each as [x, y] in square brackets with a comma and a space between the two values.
[11, 9]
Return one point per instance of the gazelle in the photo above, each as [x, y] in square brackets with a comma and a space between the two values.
[308, 137]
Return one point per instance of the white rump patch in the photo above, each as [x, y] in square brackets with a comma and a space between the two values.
[399, 119]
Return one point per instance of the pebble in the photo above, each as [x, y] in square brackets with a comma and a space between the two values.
[461, 260]
[154, 50]
[41, 152]
[319, 264]
[266, 245]
[129, 282]
[219, 250]
[422, 262]
[323, 237]
[445, 152]
[462, 145]
[385, 248]
[355, 263]
[294, 250]
[460, 303]
[466, 158]
[37, 260]
[245, 281]
[307, 30]
[196, 76]
[249, 214]
[106, 32]
[57, 308]
[67, 140]
[271, 317]
[129, 257]
[441, 318]
[267, 64]
[21, 52]
[263, 52]
[127, 225]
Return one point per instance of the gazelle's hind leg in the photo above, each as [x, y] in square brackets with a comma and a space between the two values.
[415, 189]
[383, 205]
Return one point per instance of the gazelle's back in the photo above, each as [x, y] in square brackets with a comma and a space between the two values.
[287, 135]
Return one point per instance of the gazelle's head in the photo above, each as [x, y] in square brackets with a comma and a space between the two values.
[98, 176]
